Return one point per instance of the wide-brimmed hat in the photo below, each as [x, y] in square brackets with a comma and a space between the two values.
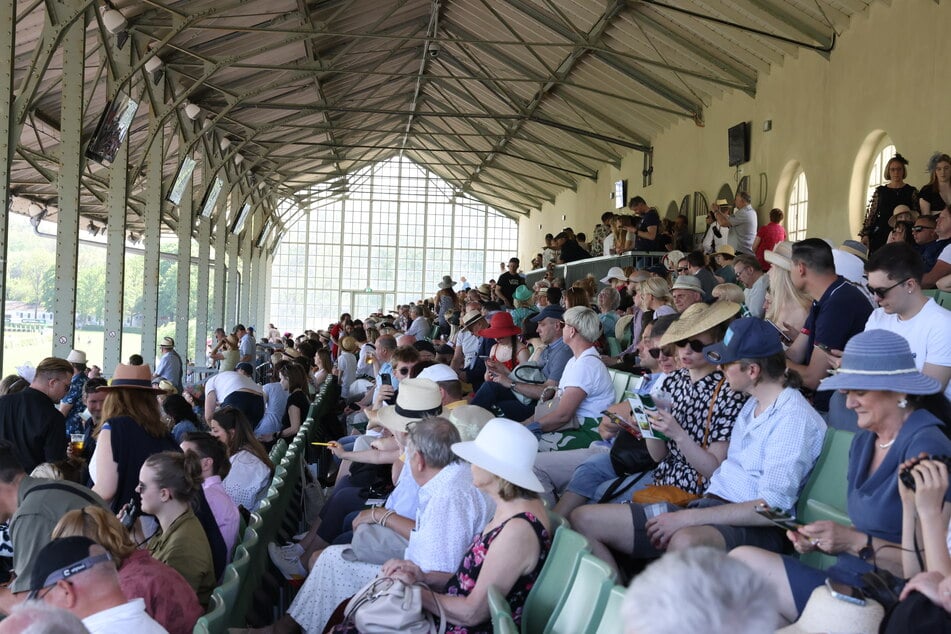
[132, 377]
[76, 356]
[500, 326]
[469, 420]
[687, 283]
[292, 353]
[899, 210]
[699, 318]
[348, 343]
[417, 399]
[671, 259]
[505, 449]
[723, 202]
[470, 319]
[747, 338]
[825, 613]
[615, 273]
[167, 342]
[485, 292]
[446, 282]
[780, 255]
[856, 248]
[166, 386]
[725, 249]
[879, 360]
[522, 293]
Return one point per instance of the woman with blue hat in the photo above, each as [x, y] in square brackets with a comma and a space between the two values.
[901, 414]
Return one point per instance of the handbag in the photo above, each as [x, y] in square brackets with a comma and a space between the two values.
[375, 544]
[387, 605]
[546, 407]
[527, 373]
[674, 494]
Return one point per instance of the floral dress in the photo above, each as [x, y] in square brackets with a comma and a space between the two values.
[462, 583]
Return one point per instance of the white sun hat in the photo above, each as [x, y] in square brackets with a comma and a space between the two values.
[505, 449]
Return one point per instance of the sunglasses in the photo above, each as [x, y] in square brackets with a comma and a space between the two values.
[403, 370]
[695, 344]
[655, 353]
[920, 228]
[882, 292]
[682, 269]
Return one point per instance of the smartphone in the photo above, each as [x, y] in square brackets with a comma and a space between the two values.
[385, 379]
[845, 592]
[822, 346]
[782, 336]
[623, 424]
[778, 517]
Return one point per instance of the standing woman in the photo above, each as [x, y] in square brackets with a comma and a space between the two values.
[251, 468]
[294, 382]
[347, 365]
[886, 197]
[169, 483]
[936, 195]
[446, 301]
[133, 430]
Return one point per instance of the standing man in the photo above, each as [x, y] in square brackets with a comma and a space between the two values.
[509, 281]
[245, 344]
[600, 233]
[645, 234]
[29, 419]
[72, 404]
[839, 311]
[169, 366]
[742, 223]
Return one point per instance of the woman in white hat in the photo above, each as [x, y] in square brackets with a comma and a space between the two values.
[513, 546]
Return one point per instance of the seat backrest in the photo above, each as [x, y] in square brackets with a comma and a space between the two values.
[580, 611]
[611, 622]
[825, 495]
[614, 347]
[552, 584]
[215, 621]
[620, 381]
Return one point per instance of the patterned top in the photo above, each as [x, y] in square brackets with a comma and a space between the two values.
[597, 240]
[74, 397]
[691, 404]
[462, 583]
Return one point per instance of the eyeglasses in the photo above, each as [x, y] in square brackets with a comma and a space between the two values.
[882, 292]
[695, 344]
[667, 351]
[682, 269]
[920, 228]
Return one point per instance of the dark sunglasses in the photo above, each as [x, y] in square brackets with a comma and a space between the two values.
[882, 292]
[655, 353]
[920, 228]
[403, 370]
[681, 270]
[695, 344]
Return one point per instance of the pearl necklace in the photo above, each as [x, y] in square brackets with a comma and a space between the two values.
[886, 445]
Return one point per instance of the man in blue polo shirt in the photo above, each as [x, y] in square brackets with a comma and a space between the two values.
[839, 311]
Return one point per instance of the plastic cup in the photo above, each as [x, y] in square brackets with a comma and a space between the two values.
[78, 441]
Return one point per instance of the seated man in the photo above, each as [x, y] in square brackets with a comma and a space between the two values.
[687, 290]
[500, 390]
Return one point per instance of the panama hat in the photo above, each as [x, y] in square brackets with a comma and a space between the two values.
[856, 248]
[417, 399]
[167, 342]
[687, 283]
[293, 353]
[76, 356]
[505, 449]
[825, 613]
[485, 292]
[469, 420]
[500, 326]
[725, 249]
[699, 318]
[470, 319]
[439, 372]
[132, 377]
[614, 273]
[780, 255]
[446, 282]
[879, 360]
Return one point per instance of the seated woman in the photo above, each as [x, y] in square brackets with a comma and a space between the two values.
[169, 599]
[608, 301]
[585, 388]
[183, 417]
[898, 411]
[511, 549]
[508, 350]
[251, 468]
[698, 426]
[294, 381]
[168, 484]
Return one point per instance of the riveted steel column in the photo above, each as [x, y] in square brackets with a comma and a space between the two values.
[182, 304]
[202, 331]
[221, 267]
[246, 242]
[153, 233]
[234, 286]
[9, 134]
[265, 278]
[68, 186]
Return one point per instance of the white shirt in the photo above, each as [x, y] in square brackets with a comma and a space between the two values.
[928, 333]
[945, 255]
[589, 373]
[852, 268]
[419, 328]
[224, 383]
[123, 619]
[470, 347]
[248, 479]
[451, 512]
[347, 365]
[742, 229]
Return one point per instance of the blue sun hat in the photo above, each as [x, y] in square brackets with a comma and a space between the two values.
[879, 360]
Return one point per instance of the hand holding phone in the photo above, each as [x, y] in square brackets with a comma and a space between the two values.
[845, 592]
[778, 517]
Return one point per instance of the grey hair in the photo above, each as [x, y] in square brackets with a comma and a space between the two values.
[726, 596]
[585, 321]
[433, 438]
[613, 297]
[42, 618]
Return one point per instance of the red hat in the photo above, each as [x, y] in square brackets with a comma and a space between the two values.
[501, 325]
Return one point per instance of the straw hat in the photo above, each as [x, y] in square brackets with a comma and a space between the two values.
[485, 292]
[166, 386]
[622, 325]
[825, 613]
[469, 420]
[879, 360]
[132, 377]
[76, 356]
[725, 249]
[500, 326]
[417, 399]
[446, 282]
[505, 449]
[699, 318]
[616, 273]
[856, 248]
[470, 319]
[167, 342]
[780, 255]
[899, 210]
[292, 353]
[348, 343]
[687, 283]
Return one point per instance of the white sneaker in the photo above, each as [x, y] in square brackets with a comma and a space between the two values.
[292, 551]
[290, 566]
[300, 536]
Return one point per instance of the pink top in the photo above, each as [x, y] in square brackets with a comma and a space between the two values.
[168, 597]
[769, 236]
[223, 508]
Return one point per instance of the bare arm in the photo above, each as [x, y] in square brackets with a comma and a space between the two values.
[571, 398]
[107, 470]
[938, 271]
[814, 372]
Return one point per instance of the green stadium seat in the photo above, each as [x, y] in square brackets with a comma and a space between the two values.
[825, 493]
[611, 622]
[215, 621]
[552, 584]
[580, 610]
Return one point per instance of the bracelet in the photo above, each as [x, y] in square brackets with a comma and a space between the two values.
[514, 383]
[386, 516]
[373, 515]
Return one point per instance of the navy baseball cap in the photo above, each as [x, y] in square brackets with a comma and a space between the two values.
[555, 312]
[747, 338]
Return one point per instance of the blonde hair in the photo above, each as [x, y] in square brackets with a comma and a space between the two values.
[782, 293]
[656, 287]
[99, 525]
[729, 292]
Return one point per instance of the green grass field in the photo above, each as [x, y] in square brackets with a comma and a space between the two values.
[22, 347]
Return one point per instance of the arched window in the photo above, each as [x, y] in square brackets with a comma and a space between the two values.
[876, 172]
[797, 209]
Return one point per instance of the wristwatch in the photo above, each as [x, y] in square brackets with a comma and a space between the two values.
[867, 552]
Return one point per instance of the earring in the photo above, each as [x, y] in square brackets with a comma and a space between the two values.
[903, 403]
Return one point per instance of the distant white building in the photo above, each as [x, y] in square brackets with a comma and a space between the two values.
[26, 313]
